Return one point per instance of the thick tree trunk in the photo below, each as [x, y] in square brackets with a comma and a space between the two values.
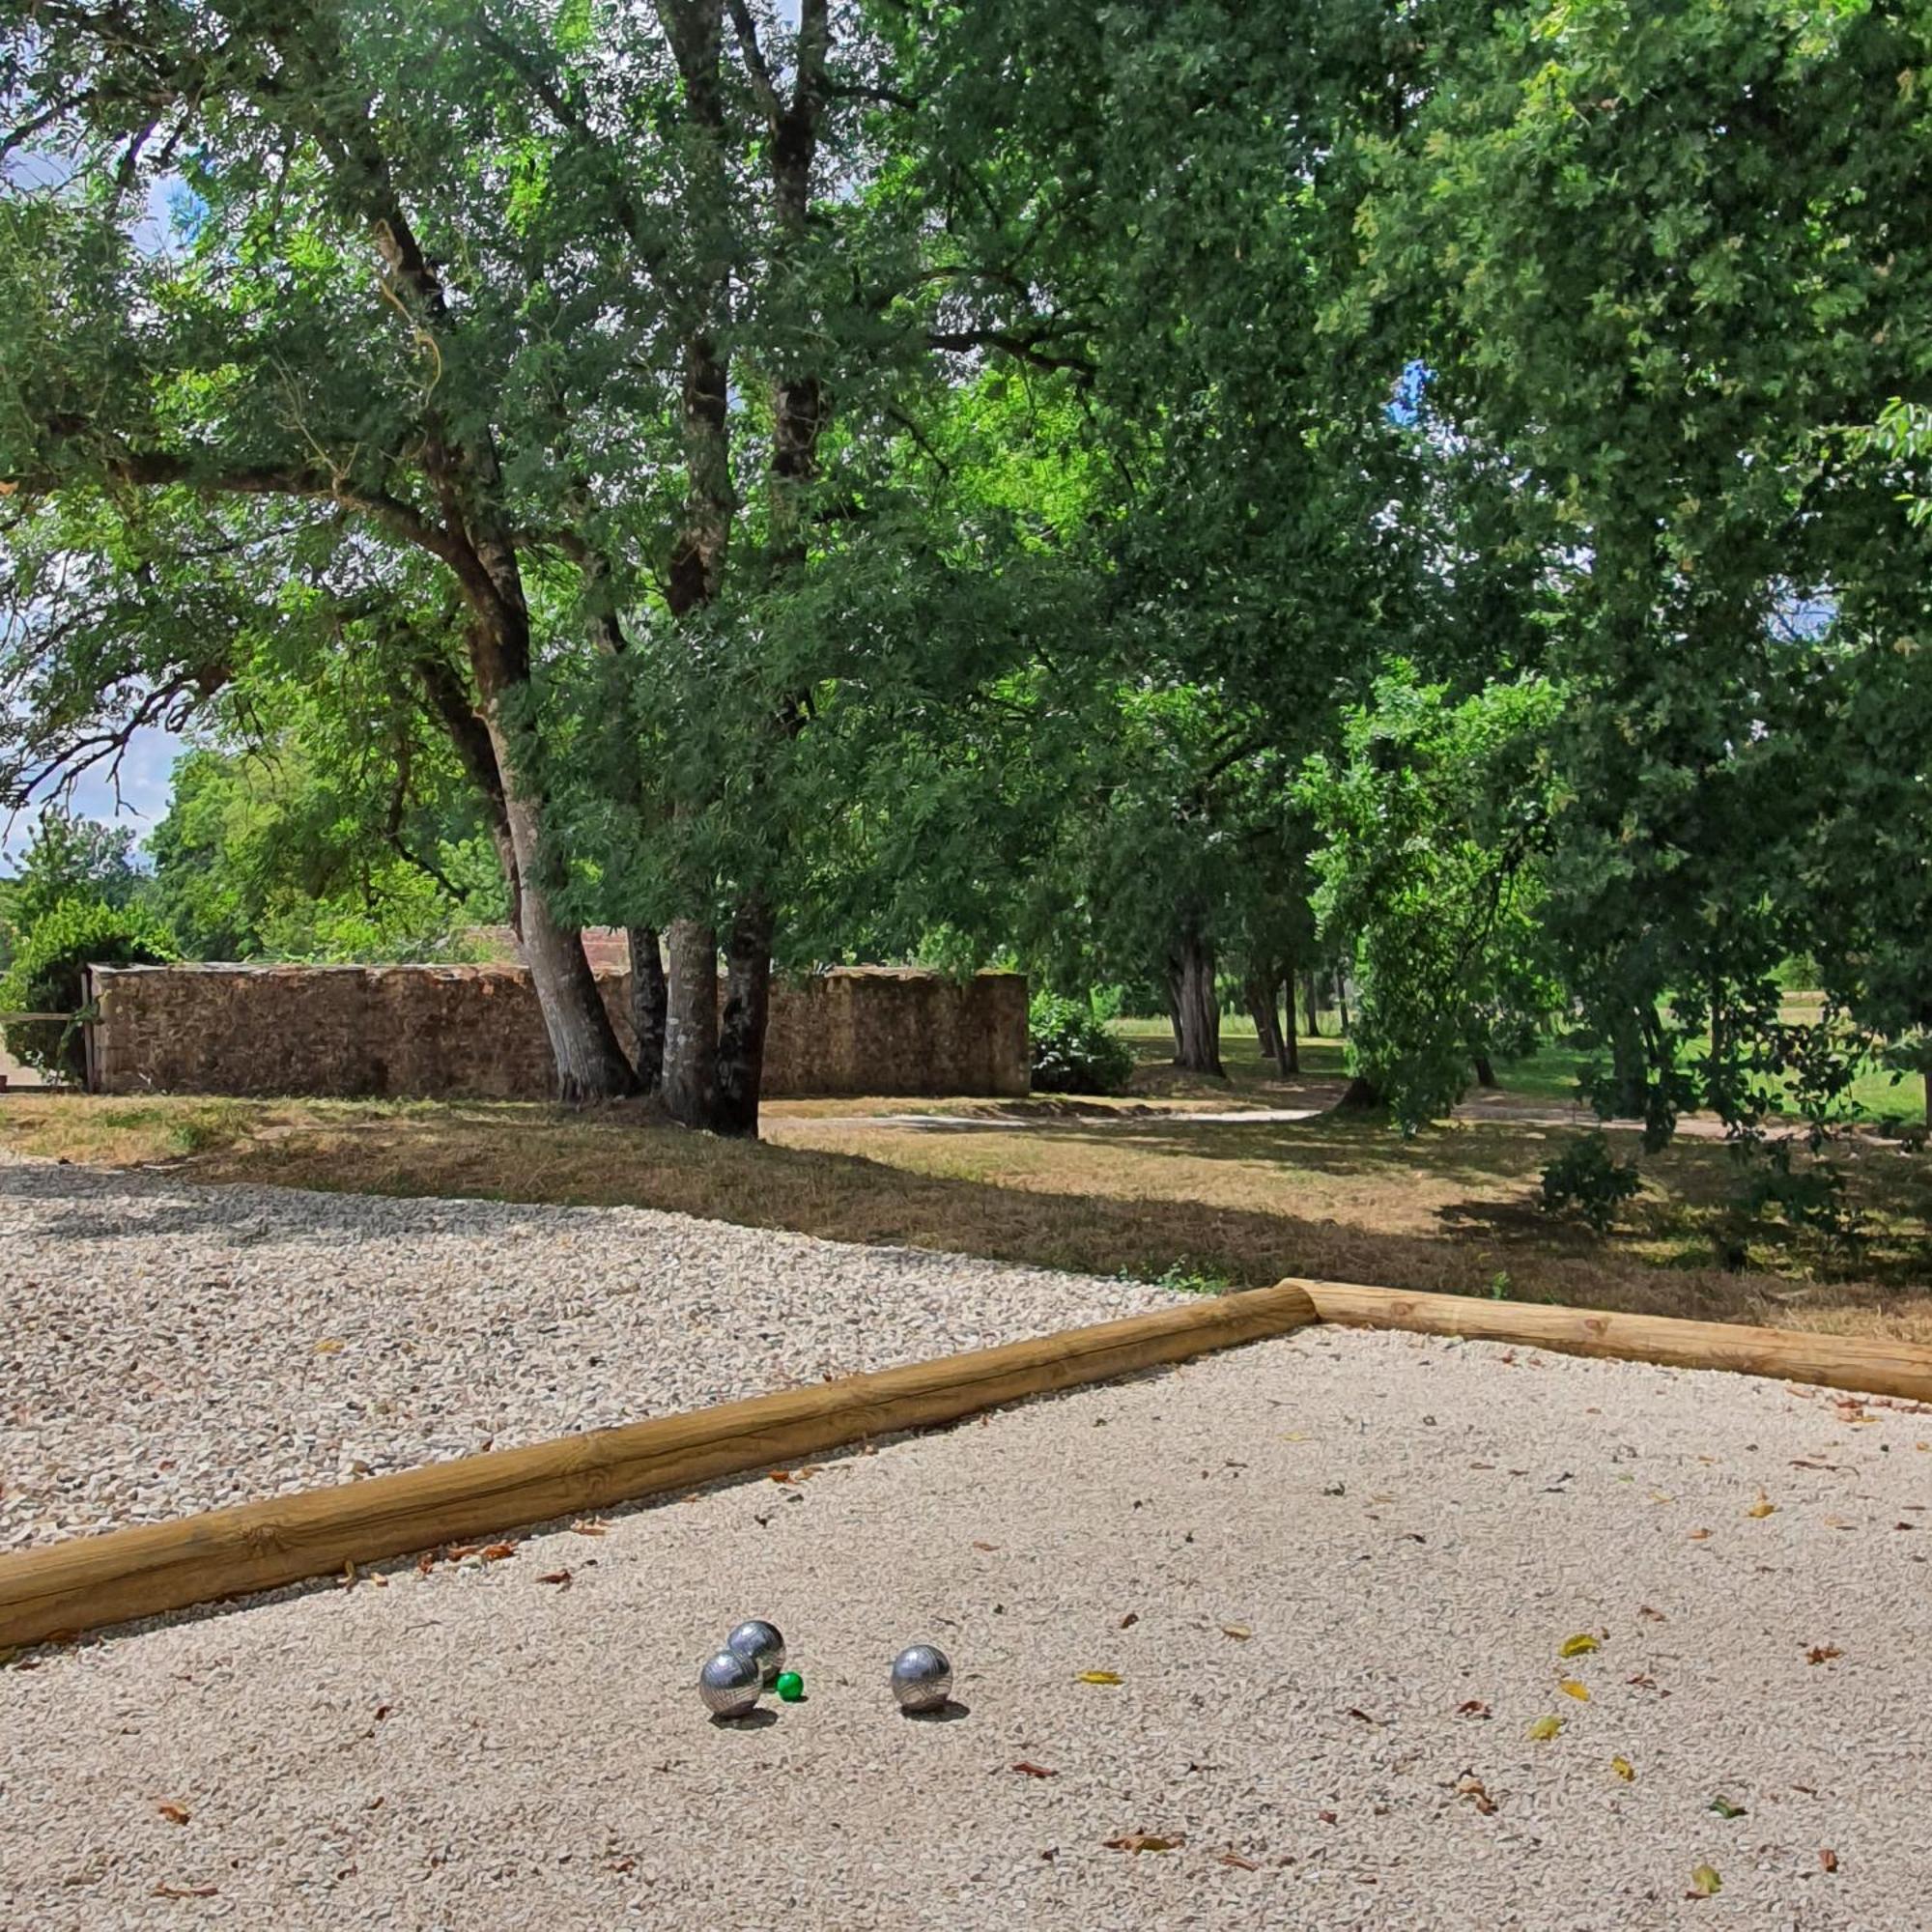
[648, 995]
[741, 1028]
[1311, 994]
[1195, 1011]
[1486, 1072]
[691, 1025]
[1362, 1095]
[590, 1064]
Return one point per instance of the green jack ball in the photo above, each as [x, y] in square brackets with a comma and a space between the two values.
[791, 1686]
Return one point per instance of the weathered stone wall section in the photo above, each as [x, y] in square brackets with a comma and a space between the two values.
[474, 1031]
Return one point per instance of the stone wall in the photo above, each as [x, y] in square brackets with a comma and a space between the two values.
[474, 1031]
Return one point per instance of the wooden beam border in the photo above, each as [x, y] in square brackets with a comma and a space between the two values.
[90, 1581]
[93, 1581]
[1863, 1365]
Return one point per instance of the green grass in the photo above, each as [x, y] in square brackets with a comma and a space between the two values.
[1551, 1074]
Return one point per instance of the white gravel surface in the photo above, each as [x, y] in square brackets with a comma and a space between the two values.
[165, 1347]
[1334, 1573]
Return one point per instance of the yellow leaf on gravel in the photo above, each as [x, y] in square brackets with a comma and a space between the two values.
[1705, 1883]
[1241, 1633]
[1579, 1644]
[330, 1346]
[1544, 1729]
[1570, 1688]
[1624, 1769]
[1764, 1506]
[1100, 1677]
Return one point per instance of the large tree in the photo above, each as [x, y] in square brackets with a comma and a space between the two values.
[538, 321]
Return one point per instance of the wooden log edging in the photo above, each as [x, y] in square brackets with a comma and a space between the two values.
[90, 1581]
[1865, 1366]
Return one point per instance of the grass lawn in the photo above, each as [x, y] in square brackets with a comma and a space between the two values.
[1129, 1186]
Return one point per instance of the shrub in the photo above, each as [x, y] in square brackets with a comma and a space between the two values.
[1591, 1181]
[1074, 1050]
[45, 976]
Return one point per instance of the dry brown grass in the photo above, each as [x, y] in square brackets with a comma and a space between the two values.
[1094, 1189]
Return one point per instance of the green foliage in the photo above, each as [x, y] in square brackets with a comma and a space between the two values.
[1074, 1051]
[66, 857]
[46, 974]
[1434, 821]
[1588, 1178]
[304, 849]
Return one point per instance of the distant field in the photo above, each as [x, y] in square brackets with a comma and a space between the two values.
[1551, 1073]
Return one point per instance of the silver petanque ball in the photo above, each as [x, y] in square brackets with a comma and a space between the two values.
[760, 1644]
[921, 1678]
[729, 1684]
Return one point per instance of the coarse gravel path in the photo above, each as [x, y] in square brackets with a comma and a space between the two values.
[1335, 1576]
[166, 1348]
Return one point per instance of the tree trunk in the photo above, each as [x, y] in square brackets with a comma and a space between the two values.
[1342, 1003]
[590, 1062]
[1362, 1095]
[1196, 1013]
[741, 1028]
[1260, 998]
[648, 1005]
[1311, 994]
[1486, 1072]
[1630, 1085]
[1291, 1047]
[691, 1025]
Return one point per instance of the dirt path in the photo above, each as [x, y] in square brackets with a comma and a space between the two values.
[1335, 1576]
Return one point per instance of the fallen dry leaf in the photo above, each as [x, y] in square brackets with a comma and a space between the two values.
[1700, 1536]
[1656, 1616]
[175, 1814]
[1624, 1769]
[459, 1553]
[1473, 1789]
[985, 1546]
[1578, 1645]
[330, 1345]
[1764, 1506]
[426, 1562]
[1544, 1729]
[1146, 1841]
[1705, 1883]
[1473, 1708]
[1241, 1633]
[1028, 1769]
[1821, 1653]
[1099, 1677]
[555, 1577]
[185, 1892]
[589, 1527]
[1570, 1688]
[1236, 1859]
[1131, 1618]
[1828, 1859]
[494, 1552]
